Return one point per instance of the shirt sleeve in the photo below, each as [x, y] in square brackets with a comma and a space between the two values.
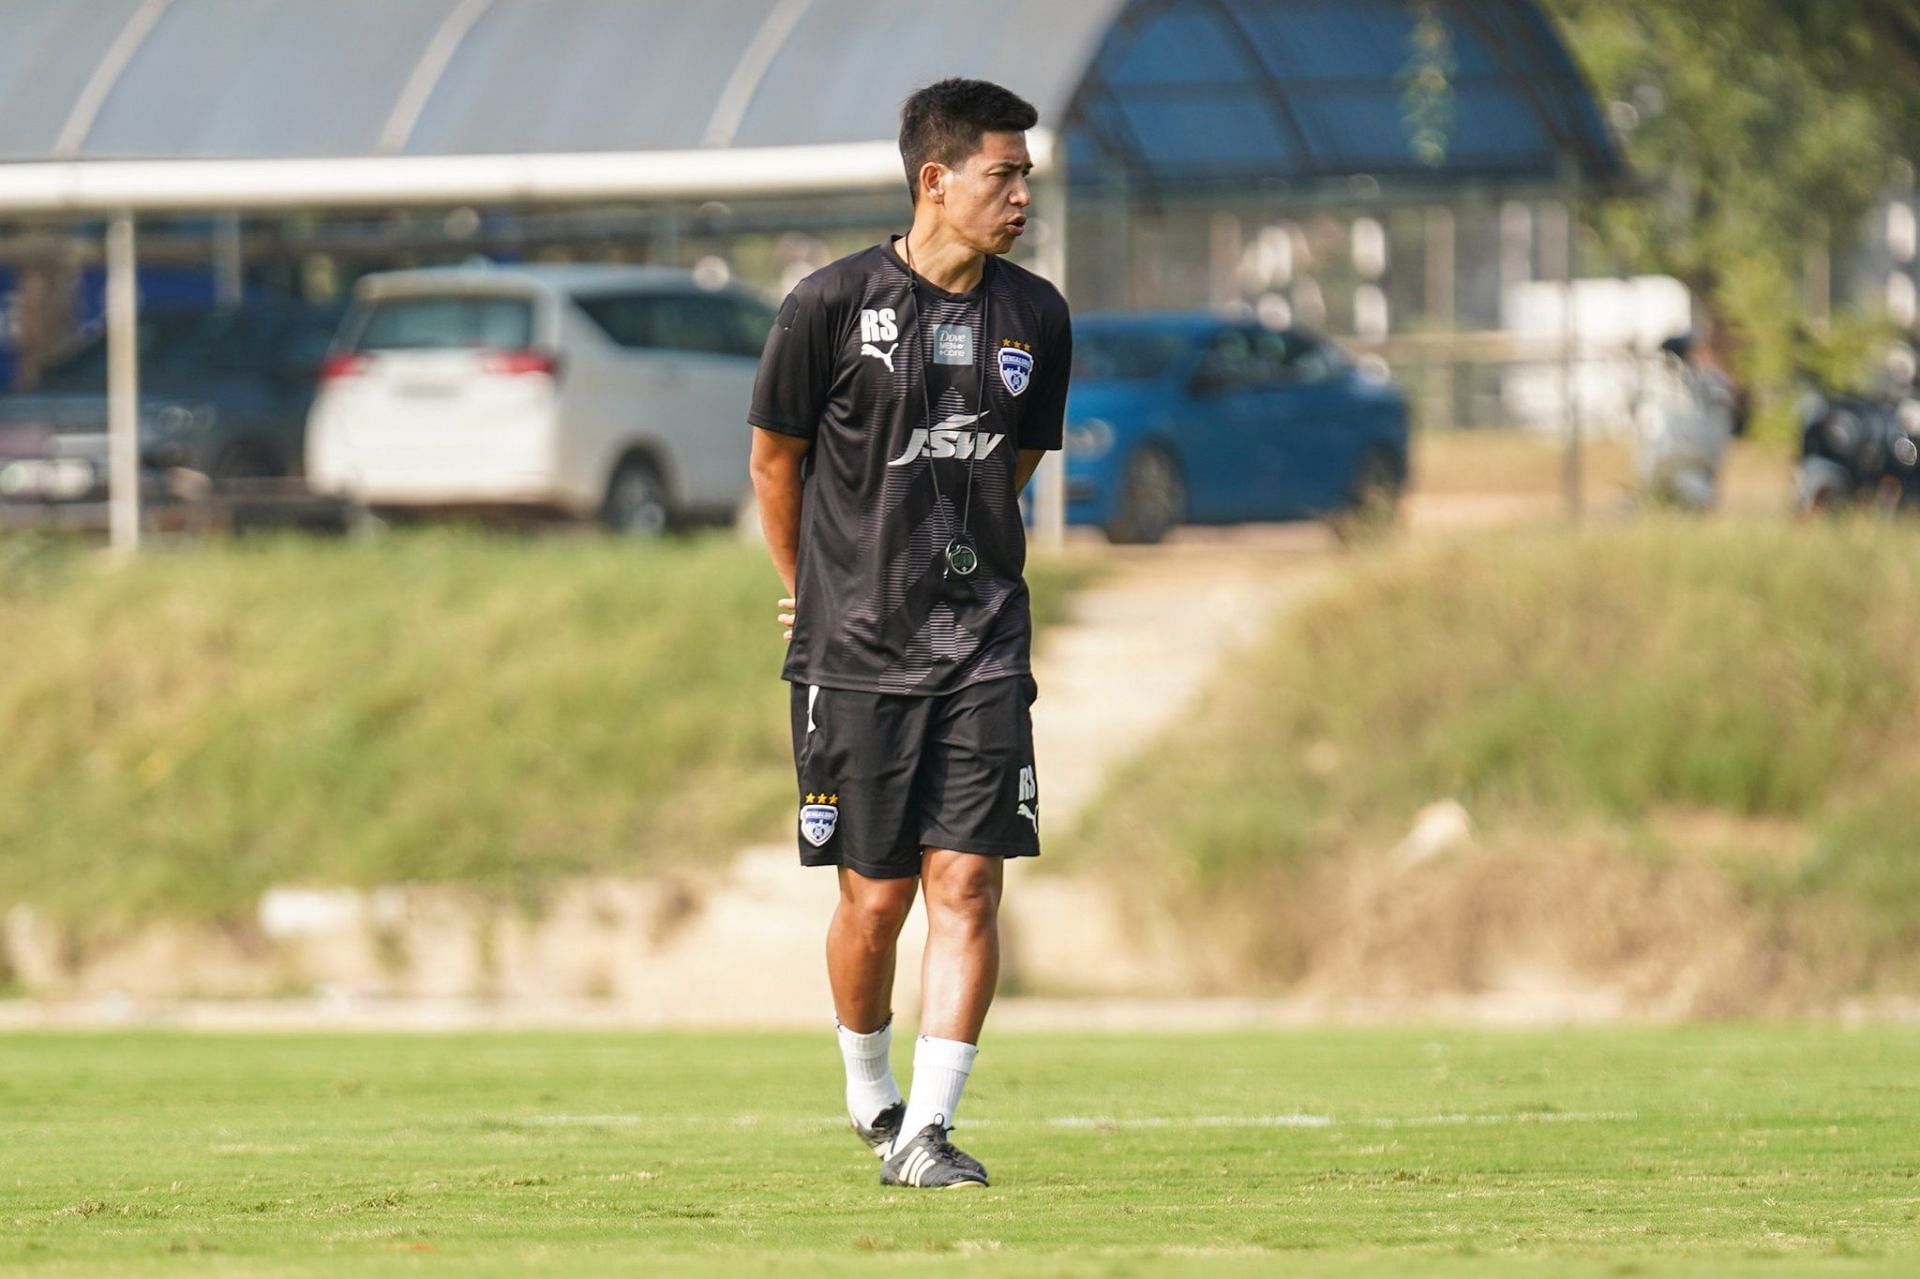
[1042, 425]
[796, 368]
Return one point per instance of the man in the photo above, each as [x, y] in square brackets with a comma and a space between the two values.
[1701, 413]
[906, 395]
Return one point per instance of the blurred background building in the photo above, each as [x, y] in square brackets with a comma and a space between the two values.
[1398, 174]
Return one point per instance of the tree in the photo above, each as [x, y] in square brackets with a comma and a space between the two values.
[1758, 128]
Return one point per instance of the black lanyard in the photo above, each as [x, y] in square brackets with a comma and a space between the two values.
[962, 556]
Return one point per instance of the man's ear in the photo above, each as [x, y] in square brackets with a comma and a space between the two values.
[933, 181]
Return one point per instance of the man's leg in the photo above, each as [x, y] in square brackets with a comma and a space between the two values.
[959, 971]
[861, 946]
[961, 966]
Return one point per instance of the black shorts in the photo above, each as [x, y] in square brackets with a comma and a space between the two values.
[884, 776]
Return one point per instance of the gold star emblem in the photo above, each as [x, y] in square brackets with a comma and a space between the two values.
[834, 798]
[810, 797]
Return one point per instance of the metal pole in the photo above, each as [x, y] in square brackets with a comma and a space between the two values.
[229, 261]
[1050, 481]
[1442, 274]
[1575, 479]
[123, 388]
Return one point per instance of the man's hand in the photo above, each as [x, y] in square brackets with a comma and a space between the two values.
[786, 617]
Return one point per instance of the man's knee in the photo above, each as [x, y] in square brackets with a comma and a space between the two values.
[964, 890]
[875, 908]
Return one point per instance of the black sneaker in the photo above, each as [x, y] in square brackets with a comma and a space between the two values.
[885, 1130]
[930, 1162]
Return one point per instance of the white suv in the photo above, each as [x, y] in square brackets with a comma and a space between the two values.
[616, 393]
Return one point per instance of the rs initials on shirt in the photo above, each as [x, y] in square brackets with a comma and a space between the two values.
[878, 326]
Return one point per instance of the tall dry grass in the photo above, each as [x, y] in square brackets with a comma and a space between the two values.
[447, 704]
[1745, 687]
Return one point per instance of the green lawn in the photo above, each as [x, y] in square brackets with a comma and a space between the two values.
[1705, 1151]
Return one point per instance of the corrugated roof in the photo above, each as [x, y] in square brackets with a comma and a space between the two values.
[1169, 92]
[1219, 92]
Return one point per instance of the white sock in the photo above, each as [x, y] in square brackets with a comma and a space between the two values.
[870, 1086]
[940, 1069]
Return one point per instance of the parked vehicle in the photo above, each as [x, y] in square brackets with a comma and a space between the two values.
[223, 392]
[1197, 419]
[1859, 450]
[614, 393]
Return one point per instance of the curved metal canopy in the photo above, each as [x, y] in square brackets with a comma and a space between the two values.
[1171, 93]
[1197, 93]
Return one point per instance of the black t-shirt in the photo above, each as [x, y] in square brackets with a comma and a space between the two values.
[863, 351]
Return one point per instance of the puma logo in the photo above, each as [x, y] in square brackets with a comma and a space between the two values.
[885, 357]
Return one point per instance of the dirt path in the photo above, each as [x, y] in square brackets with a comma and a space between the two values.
[1134, 651]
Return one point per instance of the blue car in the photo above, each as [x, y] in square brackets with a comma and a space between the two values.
[1198, 419]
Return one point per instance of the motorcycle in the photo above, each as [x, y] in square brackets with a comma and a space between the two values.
[1859, 451]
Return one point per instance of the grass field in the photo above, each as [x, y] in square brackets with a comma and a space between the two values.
[1703, 1151]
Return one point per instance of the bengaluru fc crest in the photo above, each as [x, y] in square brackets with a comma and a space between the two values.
[1016, 367]
[817, 820]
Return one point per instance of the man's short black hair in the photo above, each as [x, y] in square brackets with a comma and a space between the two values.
[942, 123]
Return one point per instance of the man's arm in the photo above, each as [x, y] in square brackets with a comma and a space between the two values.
[1023, 470]
[775, 466]
[1043, 426]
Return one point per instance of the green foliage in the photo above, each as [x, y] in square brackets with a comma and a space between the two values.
[1760, 127]
[1850, 353]
[185, 730]
[1660, 1153]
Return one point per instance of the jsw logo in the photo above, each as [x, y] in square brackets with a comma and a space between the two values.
[949, 440]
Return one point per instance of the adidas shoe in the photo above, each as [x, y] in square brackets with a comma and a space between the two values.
[885, 1130]
[930, 1162]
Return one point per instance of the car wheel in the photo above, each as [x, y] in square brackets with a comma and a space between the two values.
[1153, 499]
[1373, 509]
[637, 503]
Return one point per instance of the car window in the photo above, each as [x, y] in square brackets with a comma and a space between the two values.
[1272, 352]
[178, 346]
[627, 320]
[1122, 356]
[695, 323]
[225, 342]
[1307, 360]
[716, 324]
[750, 324]
[447, 323]
[713, 323]
[1232, 362]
